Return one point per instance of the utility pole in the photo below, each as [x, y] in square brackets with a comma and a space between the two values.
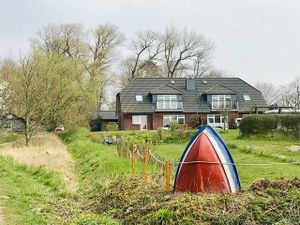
[297, 97]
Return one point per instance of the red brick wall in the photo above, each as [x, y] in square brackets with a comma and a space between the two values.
[125, 122]
[155, 120]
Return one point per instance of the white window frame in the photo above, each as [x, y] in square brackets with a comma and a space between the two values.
[173, 117]
[139, 98]
[167, 102]
[213, 116]
[218, 100]
[246, 97]
[136, 119]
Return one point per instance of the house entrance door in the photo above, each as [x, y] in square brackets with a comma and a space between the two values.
[143, 125]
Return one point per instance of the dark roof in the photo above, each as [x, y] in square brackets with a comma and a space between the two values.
[193, 101]
[108, 115]
[166, 89]
[220, 89]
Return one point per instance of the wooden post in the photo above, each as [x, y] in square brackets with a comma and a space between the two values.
[146, 162]
[118, 149]
[133, 159]
[168, 171]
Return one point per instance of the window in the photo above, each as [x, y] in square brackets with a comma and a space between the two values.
[136, 120]
[221, 102]
[246, 97]
[139, 98]
[180, 119]
[167, 102]
[217, 121]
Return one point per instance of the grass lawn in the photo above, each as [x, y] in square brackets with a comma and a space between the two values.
[96, 162]
[28, 194]
[249, 150]
[25, 191]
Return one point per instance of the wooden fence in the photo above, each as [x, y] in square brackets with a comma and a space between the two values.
[144, 152]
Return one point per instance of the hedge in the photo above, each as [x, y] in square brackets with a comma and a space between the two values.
[288, 125]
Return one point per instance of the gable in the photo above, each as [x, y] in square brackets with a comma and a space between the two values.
[166, 89]
[220, 89]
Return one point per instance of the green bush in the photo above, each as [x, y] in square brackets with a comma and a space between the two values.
[112, 126]
[198, 121]
[160, 133]
[162, 216]
[288, 125]
[68, 135]
[173, 125]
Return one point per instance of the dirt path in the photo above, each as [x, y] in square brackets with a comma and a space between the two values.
[46, 151]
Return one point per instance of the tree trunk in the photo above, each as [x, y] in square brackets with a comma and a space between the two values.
[27, 132]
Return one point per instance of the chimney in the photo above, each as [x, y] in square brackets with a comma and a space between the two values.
[190, 84]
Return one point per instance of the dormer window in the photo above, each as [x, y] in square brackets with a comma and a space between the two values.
[139, 98]
[221, 102]
[246, 97]
[167, 102]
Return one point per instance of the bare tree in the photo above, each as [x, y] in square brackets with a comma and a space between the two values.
[290, 94]
[105, 38]
[269, 91]
[215, 73]
[201, 64]
[101, 46]
[181, 49]
[64, 39]
[145, 47]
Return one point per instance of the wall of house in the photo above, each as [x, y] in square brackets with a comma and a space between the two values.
[155, 120]
[125, 122]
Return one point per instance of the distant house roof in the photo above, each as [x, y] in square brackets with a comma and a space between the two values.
[108, 115]
[193, 101]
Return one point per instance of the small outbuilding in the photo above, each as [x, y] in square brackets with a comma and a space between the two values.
[102, 119]
[11, 123]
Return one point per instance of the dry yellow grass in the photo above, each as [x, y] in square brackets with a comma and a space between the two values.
[47, 151]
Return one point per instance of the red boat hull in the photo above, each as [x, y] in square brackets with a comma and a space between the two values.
[202, 177]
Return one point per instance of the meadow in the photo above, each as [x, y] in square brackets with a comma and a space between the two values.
[105, 193]
[250, 151]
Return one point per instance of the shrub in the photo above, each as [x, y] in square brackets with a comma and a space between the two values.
[232, 124]
[173, 125]
[198, 121]
[160, 133]
[162, 216]
[288, 125]
[112, 126]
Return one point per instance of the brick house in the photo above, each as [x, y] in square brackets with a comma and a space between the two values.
[151, 103]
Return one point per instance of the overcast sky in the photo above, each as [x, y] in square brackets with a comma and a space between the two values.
[257, 40]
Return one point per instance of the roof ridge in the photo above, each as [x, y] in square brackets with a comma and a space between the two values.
[183, 78]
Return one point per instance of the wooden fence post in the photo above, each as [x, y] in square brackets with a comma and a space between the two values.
[118, 149]
[133, 159]
[168, 175]
[146, 158]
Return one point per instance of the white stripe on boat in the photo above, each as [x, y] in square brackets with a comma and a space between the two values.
[223, 160]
